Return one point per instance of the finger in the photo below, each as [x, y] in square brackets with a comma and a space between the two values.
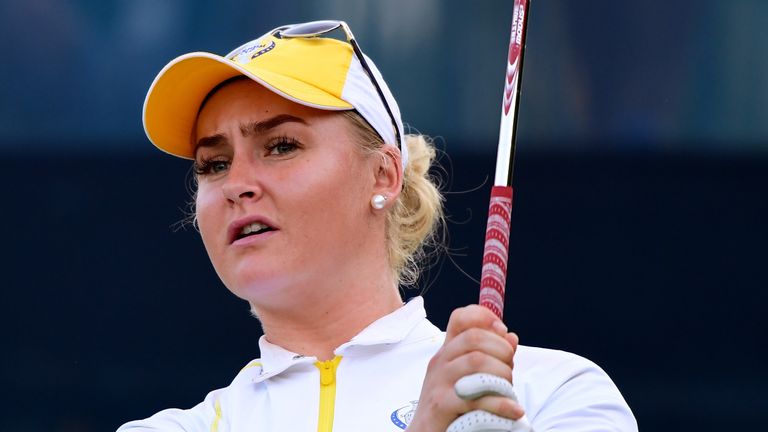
[478, 385]
[513, 339]
[514, 342]
[476, 362]
[482, 421]
[473, 316]
[476, 339]
[501, 406]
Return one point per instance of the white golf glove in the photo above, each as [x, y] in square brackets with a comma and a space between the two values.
[478, 385]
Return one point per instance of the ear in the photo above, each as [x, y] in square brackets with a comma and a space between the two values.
[389, 174]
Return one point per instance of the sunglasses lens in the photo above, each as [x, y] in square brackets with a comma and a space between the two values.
[310, 29]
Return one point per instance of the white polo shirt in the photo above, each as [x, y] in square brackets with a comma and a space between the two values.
[373, 384]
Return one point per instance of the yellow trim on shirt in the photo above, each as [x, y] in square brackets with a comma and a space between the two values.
[217, 409]
[251, 364]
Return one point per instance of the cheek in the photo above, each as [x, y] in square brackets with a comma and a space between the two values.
[336, 201]
[205, 212]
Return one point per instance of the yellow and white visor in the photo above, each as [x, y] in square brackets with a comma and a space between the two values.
[318, 72]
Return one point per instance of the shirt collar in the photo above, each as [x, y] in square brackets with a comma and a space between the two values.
[391, 328]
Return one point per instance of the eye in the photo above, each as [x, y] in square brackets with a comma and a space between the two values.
[282, 146]
[219, 166]
[209, 167]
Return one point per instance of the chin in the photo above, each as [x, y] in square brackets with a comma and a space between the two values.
[259, 287]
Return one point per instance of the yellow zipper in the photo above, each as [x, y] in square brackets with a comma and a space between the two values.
[327, 393]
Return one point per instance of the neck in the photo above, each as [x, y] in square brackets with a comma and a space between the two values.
[320, 318]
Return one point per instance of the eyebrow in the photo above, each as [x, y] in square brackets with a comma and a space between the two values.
[250, 129]
[260, 127]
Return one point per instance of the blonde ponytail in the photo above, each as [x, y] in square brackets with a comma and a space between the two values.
[417, 215]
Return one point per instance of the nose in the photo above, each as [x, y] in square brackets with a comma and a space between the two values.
[241, 183]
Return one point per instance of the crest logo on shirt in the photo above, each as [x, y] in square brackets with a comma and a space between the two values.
[402, 417]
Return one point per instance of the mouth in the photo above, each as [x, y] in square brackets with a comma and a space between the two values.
[248, 229]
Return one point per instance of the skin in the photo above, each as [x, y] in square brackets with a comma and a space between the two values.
[476, 341]
[322, 275]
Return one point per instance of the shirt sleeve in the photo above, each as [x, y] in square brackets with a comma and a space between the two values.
[204, 417]
[575, 395]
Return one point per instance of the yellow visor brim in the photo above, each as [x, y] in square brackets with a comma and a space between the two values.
[173, 101]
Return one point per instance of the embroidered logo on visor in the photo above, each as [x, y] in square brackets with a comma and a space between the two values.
[251, 50]
[402, 417]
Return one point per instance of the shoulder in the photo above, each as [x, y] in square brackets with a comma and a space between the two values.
[207, 415]
[559, 389]
[541, 372]
[533, 362]
[249, 373]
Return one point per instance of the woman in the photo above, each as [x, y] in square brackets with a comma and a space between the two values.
[314, 206]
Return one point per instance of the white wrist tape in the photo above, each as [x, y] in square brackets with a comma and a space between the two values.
[476, 386]
[483, 421]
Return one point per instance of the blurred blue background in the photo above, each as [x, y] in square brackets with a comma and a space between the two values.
[639, 234]
[688, 75]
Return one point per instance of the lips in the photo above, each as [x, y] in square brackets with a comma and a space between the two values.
[248, 227]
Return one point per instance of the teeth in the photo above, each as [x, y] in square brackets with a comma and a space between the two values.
[254, 227]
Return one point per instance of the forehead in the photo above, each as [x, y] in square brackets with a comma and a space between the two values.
[246, 93]
[243, 103]
[247, 100]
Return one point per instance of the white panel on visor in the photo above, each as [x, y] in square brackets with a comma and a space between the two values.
[361, 94]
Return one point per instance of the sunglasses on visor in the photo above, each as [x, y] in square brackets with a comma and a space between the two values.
[319, 28]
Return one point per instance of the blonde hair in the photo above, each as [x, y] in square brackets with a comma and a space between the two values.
[417, 215]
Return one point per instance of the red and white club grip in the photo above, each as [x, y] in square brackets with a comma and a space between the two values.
[494, 274]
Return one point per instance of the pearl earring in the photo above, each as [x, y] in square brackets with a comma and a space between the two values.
[378, 201]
